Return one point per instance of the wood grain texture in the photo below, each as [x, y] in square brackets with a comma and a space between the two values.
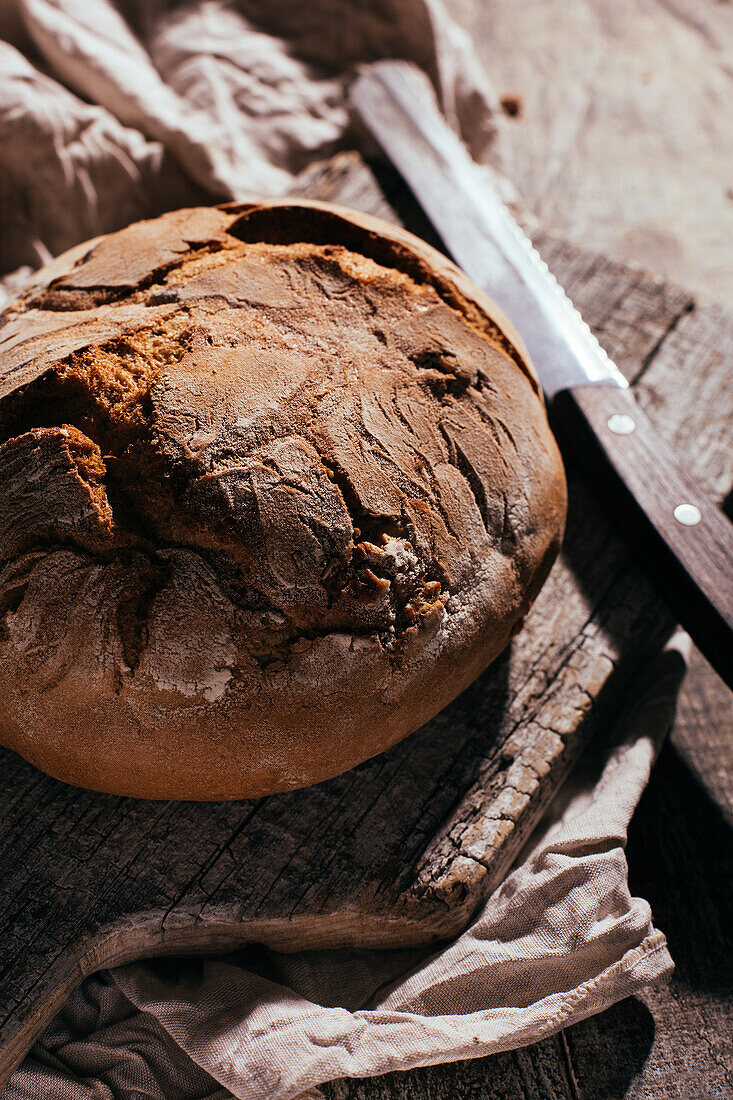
[538, 1072]
[400, 850]
[702, 733]
[674, 1041]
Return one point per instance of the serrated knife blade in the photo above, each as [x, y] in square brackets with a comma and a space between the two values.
[682, 538]
[395, 102]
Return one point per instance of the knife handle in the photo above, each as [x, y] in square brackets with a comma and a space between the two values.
[683, 540]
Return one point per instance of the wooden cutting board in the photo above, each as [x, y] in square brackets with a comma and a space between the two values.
[403, 849]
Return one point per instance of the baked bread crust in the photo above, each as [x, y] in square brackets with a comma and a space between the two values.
[276, 484]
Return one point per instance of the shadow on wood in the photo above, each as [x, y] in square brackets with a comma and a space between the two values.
[609, 1050]
[683, 864]
[598, 558]
[675, 1041]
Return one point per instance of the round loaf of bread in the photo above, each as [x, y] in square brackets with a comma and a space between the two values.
[276, 484]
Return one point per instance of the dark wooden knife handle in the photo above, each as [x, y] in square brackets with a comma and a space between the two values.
[643, 486]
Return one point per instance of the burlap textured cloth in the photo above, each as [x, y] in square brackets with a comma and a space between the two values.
[112, 113]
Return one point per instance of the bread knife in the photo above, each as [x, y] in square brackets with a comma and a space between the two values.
[683, 540]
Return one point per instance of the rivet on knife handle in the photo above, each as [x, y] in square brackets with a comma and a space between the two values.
[651, 499]
[682, 539]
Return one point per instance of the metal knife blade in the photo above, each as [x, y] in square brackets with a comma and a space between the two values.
[684, 541]
[396, 103]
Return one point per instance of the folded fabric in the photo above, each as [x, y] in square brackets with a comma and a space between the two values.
[111, 113]
[560, 940]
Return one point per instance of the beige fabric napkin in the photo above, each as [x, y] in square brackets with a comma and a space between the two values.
[560, 940]
[114, 112]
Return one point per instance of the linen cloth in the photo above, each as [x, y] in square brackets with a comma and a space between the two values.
[112, 113]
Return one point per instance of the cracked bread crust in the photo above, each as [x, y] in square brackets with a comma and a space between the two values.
[276, 484]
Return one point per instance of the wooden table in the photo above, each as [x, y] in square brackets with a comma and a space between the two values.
[676, 1041]
[675, 356]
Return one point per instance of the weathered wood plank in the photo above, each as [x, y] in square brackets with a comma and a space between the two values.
[632, 311]
[687, 388]
[400, 850]
[676, 1040]
[703, 733]
[538, 1072]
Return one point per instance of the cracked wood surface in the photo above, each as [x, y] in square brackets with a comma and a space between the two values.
[402, 849]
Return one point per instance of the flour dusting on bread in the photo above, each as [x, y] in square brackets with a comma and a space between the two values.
[300, 477]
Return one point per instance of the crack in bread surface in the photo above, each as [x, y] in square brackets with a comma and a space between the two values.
[320, 428]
